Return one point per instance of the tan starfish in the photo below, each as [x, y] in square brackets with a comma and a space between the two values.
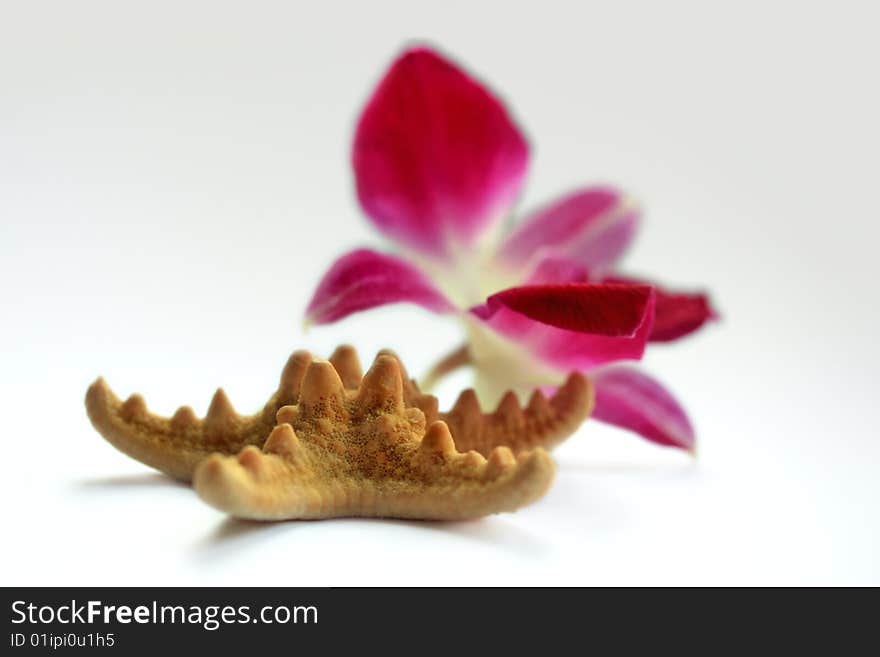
[176, 445]
[363, 452]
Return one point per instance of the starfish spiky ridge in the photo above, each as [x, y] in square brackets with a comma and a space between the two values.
[364, 452]
[177, 444]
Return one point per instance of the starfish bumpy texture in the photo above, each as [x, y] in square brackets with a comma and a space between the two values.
[177, 444]
[364, 453]
[347, 444]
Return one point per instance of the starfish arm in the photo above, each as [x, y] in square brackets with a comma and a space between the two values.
[256, 485]
[175, 445]
[542, 423]
[366, 453]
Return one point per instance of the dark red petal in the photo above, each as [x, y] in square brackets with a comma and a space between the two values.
[364, 279]
[567, 349]
[677, 314]
[616, 310]
[436, 156]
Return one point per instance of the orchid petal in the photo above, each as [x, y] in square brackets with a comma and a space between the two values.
[364, 279]
[629, 399]
[576, 326]
[592, 227]
[603, 309]
[677, 314]
[436, 156]
[556, 270]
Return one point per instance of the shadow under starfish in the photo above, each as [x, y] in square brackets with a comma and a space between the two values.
[142, 480]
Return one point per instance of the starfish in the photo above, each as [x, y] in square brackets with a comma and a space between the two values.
[363, 452]
[176, 445]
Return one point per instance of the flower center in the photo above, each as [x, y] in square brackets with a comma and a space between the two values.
[501, 364]
[469, 275]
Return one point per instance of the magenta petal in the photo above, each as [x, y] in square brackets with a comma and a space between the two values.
[556, 329]
[607, 243]
[365, 279]
[677, 314]
[627, 398]
[589, 227]
[555, 270]
[435, 155]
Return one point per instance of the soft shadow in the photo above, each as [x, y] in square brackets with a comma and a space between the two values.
[488, 531]
[146, 480]
[234, 534]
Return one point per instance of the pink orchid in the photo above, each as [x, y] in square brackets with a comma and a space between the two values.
[438, 163]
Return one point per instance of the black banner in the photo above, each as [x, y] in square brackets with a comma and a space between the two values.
[394, 621]
[125, 620]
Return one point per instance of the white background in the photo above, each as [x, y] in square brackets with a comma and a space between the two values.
[174, 179]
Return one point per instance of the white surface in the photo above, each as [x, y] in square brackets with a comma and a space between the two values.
[174, 179]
